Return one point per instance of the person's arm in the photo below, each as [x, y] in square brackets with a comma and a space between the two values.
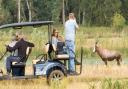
[76, 25]
[30, 44]
[16, 46]
[54, 40]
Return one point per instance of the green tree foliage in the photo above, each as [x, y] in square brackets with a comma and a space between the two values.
[9, 8]
[124, 9]
[118, 21]
[47, 9]
[87, 12]
[99, 12]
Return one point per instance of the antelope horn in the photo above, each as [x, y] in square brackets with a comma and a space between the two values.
[96, 42]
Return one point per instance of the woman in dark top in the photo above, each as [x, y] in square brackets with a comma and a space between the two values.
[21, 46]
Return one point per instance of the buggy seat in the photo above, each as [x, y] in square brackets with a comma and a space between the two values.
[18, 68]
[61, 52]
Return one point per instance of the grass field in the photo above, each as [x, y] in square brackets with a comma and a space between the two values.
[95, 75]
[85, 37]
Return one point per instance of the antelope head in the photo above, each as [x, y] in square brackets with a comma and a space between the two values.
[94, 48]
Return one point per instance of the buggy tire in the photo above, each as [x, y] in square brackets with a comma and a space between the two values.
[55, 75]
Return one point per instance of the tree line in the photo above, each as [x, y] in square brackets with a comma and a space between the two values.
[87, 12]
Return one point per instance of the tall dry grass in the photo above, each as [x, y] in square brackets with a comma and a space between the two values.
[93, 77]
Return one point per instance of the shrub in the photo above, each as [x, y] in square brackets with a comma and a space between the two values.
[118, 21]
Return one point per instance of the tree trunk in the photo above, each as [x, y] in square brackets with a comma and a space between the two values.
[79, 12]
[83, 21]
[19, 11]
[63, 12]
[79, 16]
[29, 10]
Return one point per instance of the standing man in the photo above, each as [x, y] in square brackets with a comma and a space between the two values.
[70, 31]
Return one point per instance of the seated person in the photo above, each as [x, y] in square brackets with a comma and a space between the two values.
[58, 43]
[56, 38]
[22, 46]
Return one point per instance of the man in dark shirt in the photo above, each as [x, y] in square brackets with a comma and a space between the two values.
[21, 45]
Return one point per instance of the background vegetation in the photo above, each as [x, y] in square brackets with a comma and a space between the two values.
[87, 12]
[108, 37]
[103, 20]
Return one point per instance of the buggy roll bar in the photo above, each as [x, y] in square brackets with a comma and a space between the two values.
[26, 24]
[37, 23]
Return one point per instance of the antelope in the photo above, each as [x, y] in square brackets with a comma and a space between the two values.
[107, 55]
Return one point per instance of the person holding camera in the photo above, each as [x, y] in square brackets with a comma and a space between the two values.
[70, 31]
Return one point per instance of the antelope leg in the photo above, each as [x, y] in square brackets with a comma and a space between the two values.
[118, 62]
[105, 63]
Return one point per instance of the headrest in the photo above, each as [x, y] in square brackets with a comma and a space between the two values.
[28, 51]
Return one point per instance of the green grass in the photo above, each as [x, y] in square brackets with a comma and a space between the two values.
[85, 37]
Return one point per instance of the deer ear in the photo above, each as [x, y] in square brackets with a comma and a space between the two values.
[96, 42]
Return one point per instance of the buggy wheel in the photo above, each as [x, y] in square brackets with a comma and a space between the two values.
[55, 76]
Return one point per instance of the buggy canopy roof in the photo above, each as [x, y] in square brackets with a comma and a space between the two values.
[22, 24]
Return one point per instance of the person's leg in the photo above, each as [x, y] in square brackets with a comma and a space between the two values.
[72, 56]
[9, 61]
[71, 51]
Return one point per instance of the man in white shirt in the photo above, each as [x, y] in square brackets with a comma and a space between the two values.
[70, 31]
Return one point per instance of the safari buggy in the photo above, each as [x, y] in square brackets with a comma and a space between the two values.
[53, 68]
